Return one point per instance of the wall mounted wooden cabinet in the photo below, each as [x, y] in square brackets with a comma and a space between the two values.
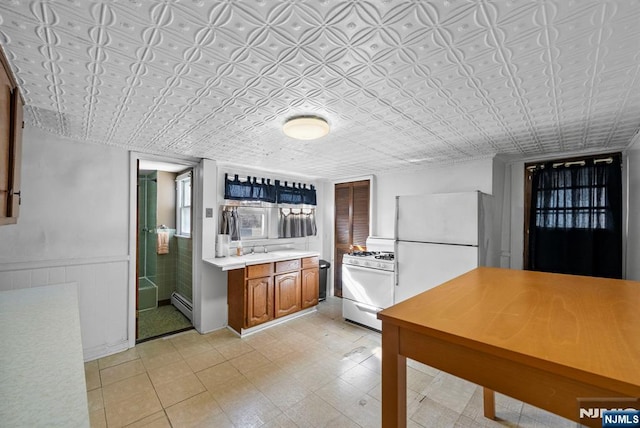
[10, 144]
[264, 292]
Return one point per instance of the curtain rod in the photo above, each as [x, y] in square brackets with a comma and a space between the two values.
[571, 163]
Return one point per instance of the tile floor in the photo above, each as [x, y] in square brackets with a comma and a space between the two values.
[314, 371]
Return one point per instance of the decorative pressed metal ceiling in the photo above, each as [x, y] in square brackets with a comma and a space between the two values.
[403, 83]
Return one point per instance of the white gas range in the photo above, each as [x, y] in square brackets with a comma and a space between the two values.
[368, 281]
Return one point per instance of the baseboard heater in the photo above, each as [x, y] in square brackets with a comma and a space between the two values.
[182, 304]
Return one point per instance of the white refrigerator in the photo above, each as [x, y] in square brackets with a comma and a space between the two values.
[439, 237]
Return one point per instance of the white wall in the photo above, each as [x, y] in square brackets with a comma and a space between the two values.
[633, 220]
[73, 227]
[459, 177]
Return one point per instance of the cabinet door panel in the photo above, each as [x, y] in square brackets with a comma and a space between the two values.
[259, 301]
[310, 280]
[288, 294]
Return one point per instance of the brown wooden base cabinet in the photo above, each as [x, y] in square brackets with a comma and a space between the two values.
[261, 293]
[310, 281]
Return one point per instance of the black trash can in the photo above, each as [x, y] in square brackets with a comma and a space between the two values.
[322, 281]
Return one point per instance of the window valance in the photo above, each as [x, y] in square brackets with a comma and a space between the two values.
[253, 190]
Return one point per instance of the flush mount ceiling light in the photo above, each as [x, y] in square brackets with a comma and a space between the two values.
[306, 127]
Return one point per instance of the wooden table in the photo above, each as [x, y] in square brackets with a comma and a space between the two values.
[545, 339]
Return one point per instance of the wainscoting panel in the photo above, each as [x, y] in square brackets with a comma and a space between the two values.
[102, 296]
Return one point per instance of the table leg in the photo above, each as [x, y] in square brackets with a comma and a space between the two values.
[488, 397]
[394, 380]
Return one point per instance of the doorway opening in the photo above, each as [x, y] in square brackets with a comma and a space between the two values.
[573, 216]
[164, 286]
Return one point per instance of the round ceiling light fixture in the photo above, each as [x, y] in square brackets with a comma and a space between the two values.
[306, 127]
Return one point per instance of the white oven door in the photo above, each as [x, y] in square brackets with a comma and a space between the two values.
[373, 287]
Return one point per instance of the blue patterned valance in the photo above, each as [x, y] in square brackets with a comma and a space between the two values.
[253, 190]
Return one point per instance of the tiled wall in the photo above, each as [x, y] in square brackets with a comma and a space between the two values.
[166, 271]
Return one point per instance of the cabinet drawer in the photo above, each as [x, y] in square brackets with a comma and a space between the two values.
[287, 265]
[308, 262]
[255, 271]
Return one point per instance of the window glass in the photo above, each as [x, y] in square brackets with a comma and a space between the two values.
[252, 222]
[183, 206]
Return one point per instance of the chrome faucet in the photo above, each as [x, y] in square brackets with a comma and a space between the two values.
[252, 250]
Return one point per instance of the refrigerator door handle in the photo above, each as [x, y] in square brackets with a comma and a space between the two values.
[395, 258]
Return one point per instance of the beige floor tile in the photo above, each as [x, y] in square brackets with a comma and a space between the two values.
[119, 358]
[122, 371]
[541, 417]
[507, 410]
[343, 421]
[361, 377]
[417, 380]
[92, 377]
[97, 419]
[222, 337]
[204, 360]
[374, 361]
[156, 420]
[132, 409]
[170, 372]
[94, 399]
[314, 371]
[339, 394]
[126, 389]
[154, 348]
[265, 375]
[257, 411]
[313, 411]
[274, 353]
[201, 410]
[313, 377]
[434, 415]
[180, 389]
[234, 392]
[213, 377]
[192, 349]
[280, 421]
[261, 338]
[284, 393]
[450, 391]
[162, 359]
[234, 349]
[365, 410]
[249, 361]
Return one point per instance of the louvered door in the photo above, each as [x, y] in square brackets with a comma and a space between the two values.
[351, 223]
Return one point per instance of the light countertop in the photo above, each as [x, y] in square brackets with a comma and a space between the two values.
[239, 262]
[42, 379]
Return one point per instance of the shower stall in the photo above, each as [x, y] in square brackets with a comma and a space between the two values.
[147, 257]
[164, 260]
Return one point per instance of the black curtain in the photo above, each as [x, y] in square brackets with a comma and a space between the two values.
[576, 219]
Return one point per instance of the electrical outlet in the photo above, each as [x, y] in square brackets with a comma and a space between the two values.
[208, 212]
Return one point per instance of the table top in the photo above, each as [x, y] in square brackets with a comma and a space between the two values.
[42, 379]
[588, 327]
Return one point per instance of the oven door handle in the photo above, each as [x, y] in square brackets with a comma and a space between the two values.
[367, 308]
[366, 268]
